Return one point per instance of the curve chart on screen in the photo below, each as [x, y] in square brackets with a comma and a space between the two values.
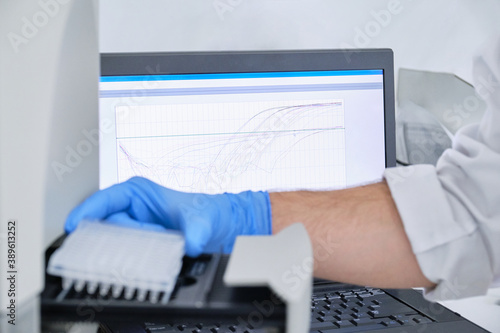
[231, 147]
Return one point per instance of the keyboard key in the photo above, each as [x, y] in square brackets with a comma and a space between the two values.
[160, 329]
[342, 317]
[330, 318]
[336, 304]
[359, 290]
[390, 323]
[391, 306]
[377, 292]
[363, 321]
[351, 304]
[324, 313]
[343, 323]
[361, 315]
[154, 327]
[323, 302]
[402, 319]
[349, 297]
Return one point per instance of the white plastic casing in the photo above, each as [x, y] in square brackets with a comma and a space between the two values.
[49, 71]
[284, 263]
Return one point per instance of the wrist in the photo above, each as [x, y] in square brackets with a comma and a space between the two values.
[245, 213]
[251, 212]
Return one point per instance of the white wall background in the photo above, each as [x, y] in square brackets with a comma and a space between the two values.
[428, 34]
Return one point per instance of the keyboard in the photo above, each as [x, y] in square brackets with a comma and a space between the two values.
[360, 309]
[348, 310]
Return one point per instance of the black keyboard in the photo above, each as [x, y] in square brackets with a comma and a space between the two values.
[351, 310]
[360, 309]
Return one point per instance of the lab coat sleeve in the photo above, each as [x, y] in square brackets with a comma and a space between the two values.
[451, 212]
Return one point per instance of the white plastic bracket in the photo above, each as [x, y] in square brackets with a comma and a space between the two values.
[284, 263]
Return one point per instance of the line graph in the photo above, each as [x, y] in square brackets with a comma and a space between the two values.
[233, 147]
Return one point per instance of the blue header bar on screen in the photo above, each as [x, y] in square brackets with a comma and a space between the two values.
[238, 75]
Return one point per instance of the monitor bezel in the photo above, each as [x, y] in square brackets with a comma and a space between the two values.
[128, 64]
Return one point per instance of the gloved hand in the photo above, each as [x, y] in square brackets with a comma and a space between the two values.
[210, 223]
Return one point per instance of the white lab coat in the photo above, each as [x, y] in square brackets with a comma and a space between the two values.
[451, 212]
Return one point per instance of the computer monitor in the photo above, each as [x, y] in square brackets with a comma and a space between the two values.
[233, 121]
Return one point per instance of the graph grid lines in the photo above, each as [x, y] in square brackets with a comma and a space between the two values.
[231, 147]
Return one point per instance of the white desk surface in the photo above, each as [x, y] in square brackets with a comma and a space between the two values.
[482, 310]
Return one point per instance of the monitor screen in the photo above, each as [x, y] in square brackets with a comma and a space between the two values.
[236, 131]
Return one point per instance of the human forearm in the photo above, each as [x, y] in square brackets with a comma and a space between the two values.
[357, 235]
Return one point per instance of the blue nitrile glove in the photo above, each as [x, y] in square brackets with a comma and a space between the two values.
[210, 223]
